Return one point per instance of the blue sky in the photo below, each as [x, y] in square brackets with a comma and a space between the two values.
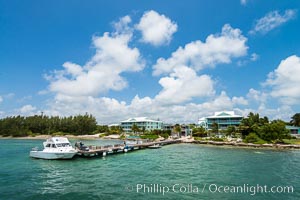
[173, 60]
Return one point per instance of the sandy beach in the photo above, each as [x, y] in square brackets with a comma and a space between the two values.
[40, 137]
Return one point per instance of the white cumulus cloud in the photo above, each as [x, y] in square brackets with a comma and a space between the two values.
[284, 81]
[122, 26]
[156, 29]
[218, 48]
[103, 71]
[73, 69]
[110, 110]
[239, 101]
[257, 95]
[79, 89]
[184, 84]
[27, 109]
[272, 20]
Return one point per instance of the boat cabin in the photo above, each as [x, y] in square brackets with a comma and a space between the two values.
[56, 142]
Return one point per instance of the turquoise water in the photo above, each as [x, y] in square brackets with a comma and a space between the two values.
[196, 169]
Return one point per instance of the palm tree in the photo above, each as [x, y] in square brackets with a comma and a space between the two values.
[296, 119]
[135, 128]
[230, 130]
[177, 129]
[120, 130]
[215, 128]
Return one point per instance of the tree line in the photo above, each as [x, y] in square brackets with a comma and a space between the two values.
[256, 129]
[19, 126]
[253, 128]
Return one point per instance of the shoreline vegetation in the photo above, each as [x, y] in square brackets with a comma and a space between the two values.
[253, 131]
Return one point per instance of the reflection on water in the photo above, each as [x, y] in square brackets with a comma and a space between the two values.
[258, 152]
[53, 177]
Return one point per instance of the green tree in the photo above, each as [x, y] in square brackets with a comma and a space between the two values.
[230, 130]
[273, 131]
[121, 129]
[135, 128]
[165, 133]
[143, 129]
[252, 138]
[199, 132]
[42, 124]
[102, 129]
[249, 123]
[192, 126]
[215, 128]
[177, 129]
[115, 130]
[85, 124]
[156, 132]
[263, 128]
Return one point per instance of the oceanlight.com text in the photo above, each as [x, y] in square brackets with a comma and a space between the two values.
[162, 189]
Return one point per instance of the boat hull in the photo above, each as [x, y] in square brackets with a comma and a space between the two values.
[154, 147]
[52, 155]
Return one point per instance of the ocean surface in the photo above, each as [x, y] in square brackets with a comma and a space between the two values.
[178, 171]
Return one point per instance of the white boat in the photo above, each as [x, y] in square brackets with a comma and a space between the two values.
[55, 148]
[155, 146]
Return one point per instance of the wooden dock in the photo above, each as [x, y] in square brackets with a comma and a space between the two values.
[120, 148]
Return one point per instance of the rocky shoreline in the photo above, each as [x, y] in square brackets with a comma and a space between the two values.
[242, 144]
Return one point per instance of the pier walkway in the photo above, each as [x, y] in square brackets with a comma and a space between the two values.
[120, 148]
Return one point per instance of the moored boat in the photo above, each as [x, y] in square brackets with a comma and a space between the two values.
[155, 146]
[54, 148]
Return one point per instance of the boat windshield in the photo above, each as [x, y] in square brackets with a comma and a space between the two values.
[63, 145]
[49, 145]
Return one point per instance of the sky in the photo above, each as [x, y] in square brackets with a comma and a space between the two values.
[172, 60]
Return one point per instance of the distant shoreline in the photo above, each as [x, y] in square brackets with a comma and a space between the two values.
[248, 145]
[43, 137]
[207, 142]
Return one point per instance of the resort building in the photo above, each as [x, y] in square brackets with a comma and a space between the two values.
[143, 123]
[222, 119]
[185, 129]
[168, 127]
[294, 130]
